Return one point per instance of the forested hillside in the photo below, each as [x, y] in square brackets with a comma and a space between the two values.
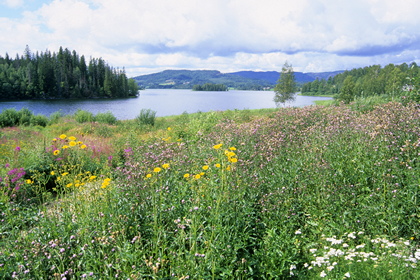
[367, 81]
[64, 74]
[243, 80]
[186, 79]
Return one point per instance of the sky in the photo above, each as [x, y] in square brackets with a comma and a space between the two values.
[149, 36]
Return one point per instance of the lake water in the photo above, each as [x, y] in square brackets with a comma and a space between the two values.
[165, 102]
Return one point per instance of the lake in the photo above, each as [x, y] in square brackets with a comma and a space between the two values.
[165, 102]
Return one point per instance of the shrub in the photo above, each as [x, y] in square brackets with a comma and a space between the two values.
[9, 117]
[24, 116]
[82, 116]
[146, 117]
[107, 118]
[40, 120]
[55, 117]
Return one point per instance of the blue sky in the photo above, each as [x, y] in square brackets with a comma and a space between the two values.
[148, 36]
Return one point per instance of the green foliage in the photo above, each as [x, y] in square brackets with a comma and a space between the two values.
[9, 117]
[39, 120]
[25, 116]
[107, 118]
[210, 87]
[292, 193]
[399, 81]
[285, 89]
[186, 79]
[56, 117]
[61, 75]
[347, 91]
[82, 116]
[146, 117]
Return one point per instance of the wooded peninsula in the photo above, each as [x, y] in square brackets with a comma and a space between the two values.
[61, 75]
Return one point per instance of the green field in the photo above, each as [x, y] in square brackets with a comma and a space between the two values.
[302, 193]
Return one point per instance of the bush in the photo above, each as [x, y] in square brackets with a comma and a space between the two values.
[82, 116]
[146, 117]
[9, 117]
[40, 120]
[24, 116]
[107, 118]
[55, 117]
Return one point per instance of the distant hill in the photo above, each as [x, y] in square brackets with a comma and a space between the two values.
[273, 76]
[246, 80]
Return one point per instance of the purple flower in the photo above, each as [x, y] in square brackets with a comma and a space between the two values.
[17, 148]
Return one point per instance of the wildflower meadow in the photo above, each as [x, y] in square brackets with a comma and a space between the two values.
[317, 192]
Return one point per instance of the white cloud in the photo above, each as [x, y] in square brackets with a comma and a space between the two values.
[13, 3]
[222, 34]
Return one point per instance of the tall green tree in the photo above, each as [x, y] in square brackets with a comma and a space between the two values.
[285, 88]
[347, 92]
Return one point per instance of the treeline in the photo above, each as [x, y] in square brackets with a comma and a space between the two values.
[61, 75]
[186, 79]
[210, 87]
[367, 81]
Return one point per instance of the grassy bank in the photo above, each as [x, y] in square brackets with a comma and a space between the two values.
[300, 193]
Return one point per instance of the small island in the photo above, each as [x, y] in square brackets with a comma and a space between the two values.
[210, 87]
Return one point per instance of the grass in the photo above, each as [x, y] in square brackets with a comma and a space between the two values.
[301, 193]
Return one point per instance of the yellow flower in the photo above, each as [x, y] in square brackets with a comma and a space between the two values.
[165, 166]
[73, 143]
[52, 173]
[169, 128]
[202, 173]
[233, 160]
[157, 169]
[228, 168]
[232, 148]
[29, 181]
[72, 138]
[79, 142]
[63, 136]
[56, 152]
[105, 183]
[186, 175]
[197, 176]
[65, 147]
[83, 146]
[91, 178]
[205, 167]
[54, 139]
[217, 165]
[64, 174]
[229, 154]
[69, 185]
[217, 146]
[149, 175]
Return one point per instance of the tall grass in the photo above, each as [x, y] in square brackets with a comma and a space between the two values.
[299, 193]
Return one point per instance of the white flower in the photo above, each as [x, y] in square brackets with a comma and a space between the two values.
[298, 232]
[347, 275]
[329, 268]
[351, 235]
[323, 274]
[360, 246]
